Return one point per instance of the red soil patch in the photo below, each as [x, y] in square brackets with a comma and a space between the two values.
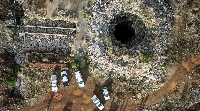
[58, 96]
[173, 87]
[196, 60]
[82, 109]
[185, 64]
[77, 92]
[138, 101]
[74, 101]
[171, 84]
[45, 65]
[88, 99]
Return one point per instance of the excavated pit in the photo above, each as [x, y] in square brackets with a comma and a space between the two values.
[124, 32]
[127, 30]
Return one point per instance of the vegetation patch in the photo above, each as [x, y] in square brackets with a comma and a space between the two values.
[87, 60]
[11, 79]
[75, 64]
[146, 57]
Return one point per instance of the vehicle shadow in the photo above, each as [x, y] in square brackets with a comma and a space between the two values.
[108, 83]
[57, 72]
[69, 72]
[68, 106]
[98, 91]
[85, 73]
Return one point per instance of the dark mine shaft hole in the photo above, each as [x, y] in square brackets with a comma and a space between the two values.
[124, 32]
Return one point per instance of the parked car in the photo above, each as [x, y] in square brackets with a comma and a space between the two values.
[106, 93]
[97, 102]
[79, 79]
[54, 83]
[64, 78]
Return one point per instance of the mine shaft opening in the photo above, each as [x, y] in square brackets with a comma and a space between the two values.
[127, 31]
[124, 32]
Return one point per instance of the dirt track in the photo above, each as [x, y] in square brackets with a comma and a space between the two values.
[73, 98]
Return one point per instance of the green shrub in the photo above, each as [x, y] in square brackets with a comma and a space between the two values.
[10, 81]
[16, 69]
[75, 64]
[87, 60]
[164, 66]
[141, 84]
[146, 57]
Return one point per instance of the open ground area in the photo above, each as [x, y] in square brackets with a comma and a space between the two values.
[146, 52]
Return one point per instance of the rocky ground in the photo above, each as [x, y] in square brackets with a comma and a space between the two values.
[107, 57]
[53, 33]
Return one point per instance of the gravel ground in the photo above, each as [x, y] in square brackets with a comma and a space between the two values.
[157, 17]
[44, 36]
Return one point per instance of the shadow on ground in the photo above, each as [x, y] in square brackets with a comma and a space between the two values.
[50, 100]
[85, 73]
[57, 72]
[98, 91]
[68, 106]
[114, 105]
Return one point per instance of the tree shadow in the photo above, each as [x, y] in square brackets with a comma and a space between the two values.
[114, 105]
[68, 106]
[9, 70]
[98, 91]
[50, 101]
[19, 12]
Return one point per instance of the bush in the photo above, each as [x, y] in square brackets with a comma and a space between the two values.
[11, 80]
[141, 84]
[146, 57]
[75, 64]
[87, 60]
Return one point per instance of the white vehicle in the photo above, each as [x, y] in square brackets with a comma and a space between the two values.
[54, 83]
[79, 79]
[97, 102]
[64, 78]
[106, 93]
